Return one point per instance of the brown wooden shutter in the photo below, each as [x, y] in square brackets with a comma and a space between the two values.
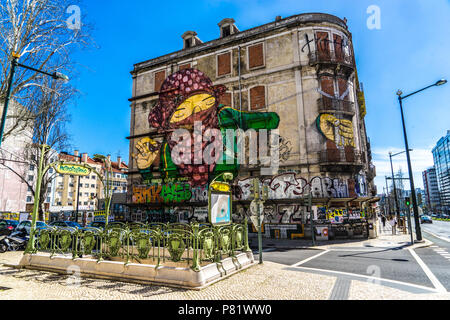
[184, 66]
[226, 99]
[160, 76]
[256, 56]
[343, 86]
[349, 154]
[333, 153]
[351, 188]
[338, 52]
[327, 86]
[257, 98]
[322, 45]
[224, 64]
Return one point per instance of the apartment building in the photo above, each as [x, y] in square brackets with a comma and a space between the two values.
[441, 158]
[296, 75]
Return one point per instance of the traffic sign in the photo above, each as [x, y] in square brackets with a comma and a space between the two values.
[254, 212]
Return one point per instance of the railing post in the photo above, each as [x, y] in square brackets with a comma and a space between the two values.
[246, 248]
[195, 257]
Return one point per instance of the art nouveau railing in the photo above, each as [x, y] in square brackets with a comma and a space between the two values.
[151, 243]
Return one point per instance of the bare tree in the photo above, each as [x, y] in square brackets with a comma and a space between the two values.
[44, 34]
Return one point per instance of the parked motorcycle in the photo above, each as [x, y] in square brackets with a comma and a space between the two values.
[14, 242]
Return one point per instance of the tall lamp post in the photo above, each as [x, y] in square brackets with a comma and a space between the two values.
[411, 179]
[14, 64]
[397, 209]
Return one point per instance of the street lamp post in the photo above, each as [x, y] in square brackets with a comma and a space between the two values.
[14, 64]
[411, 179]
[397, 209]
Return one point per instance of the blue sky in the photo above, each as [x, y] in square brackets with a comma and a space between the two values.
[410, 51]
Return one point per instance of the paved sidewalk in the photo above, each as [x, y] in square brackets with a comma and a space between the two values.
[384, 239]
[269, 281]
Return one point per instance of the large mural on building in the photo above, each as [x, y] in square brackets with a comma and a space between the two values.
[186, 98]
[337, 130]
[289, 185]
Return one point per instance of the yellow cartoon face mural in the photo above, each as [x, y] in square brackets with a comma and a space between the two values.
[193, 105]
[338, 130]
[148, 150]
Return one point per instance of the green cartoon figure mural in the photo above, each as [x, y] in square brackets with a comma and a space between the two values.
[186, 98]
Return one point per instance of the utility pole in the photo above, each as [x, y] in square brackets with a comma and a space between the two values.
[388, 197]
[313, 234]
[8, 93]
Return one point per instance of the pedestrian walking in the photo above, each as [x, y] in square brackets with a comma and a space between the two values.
[393, 223]
[383, 220]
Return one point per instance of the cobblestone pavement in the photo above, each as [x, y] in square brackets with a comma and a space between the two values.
[269, 281]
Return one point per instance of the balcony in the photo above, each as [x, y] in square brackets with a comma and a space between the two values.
[331, 59]
[341, 160]
[372, 173]
[332, 105]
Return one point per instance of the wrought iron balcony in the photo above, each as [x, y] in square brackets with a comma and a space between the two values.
[332, 105]
[341, 160]
[331, 57]
[372, 173]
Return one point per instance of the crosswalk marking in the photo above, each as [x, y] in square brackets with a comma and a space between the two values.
[439, 287]
[442, 252]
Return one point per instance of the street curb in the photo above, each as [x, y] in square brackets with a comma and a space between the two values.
[15, 266]
[422, 245]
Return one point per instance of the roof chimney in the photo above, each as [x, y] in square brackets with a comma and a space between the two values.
[119, 162]
[190, 39]
[278, 18]
[84, 157]
[227, 27]
[75, 153]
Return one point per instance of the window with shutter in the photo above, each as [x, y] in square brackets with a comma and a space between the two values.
[226, 99]
[224, 64]
[160, 76]
[333, 153]
[343, 92]
[327, 88]
[256, 56]
[322, 45]
[257, 98]
[338, 52]
[184, 66]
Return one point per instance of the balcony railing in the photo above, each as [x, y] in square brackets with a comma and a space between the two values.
[330, 57]
[332, 105]
[340, 156]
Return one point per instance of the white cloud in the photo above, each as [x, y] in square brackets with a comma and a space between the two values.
[421, 159]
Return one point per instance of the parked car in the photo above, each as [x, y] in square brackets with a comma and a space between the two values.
[96, 224]
[69, 225]
[426, 219]
[7, 227]
[26, 225]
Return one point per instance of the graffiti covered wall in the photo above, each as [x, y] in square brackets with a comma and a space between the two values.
[190, 103]
[291, 186]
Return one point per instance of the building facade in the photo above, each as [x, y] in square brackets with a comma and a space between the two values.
[86, 191]
[296, 77]
[431, 189]
[13, 190]
[441, 158]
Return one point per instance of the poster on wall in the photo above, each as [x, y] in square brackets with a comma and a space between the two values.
[336, 215]
[220, 208]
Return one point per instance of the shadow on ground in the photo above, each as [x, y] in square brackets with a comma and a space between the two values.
[99, 284]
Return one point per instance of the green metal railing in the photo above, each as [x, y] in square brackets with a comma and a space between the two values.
[149, 243]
